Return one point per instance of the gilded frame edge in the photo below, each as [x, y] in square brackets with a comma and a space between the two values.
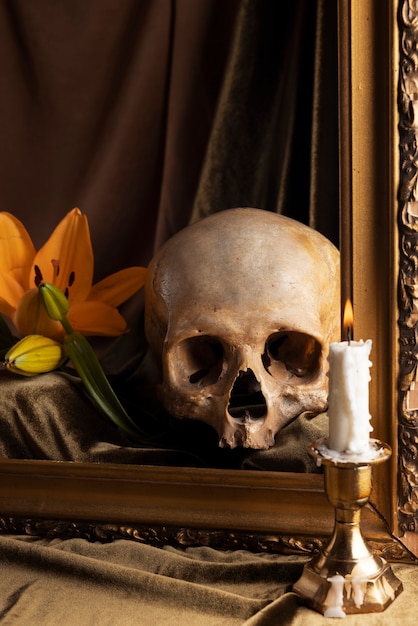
[243, 509]
[281, 511]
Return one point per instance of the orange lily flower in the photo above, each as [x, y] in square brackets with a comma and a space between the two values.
[65, 260]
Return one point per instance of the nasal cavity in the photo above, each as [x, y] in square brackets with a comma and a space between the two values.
[246, 400]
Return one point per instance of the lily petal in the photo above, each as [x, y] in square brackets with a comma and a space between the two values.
[96, 318]
[31, 317]
[118, 287]
[11, 292]
[16, 249]
[69, 248]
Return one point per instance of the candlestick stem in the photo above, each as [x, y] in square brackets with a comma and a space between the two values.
[346, 576]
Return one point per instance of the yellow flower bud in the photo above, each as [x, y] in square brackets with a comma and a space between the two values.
[34, 354]
[54, 301]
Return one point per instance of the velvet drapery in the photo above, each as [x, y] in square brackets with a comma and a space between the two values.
[150, 114]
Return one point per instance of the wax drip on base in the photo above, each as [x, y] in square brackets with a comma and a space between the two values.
[346, 576]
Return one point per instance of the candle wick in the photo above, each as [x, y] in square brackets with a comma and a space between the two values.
[349, 332]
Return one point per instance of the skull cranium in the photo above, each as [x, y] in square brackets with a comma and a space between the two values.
[240, 308]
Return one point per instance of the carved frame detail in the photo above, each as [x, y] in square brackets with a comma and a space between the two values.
[182, 537]
[408, 267]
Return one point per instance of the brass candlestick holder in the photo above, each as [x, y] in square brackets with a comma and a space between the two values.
[346, 576]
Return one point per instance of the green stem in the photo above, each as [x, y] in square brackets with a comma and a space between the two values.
[66, 325]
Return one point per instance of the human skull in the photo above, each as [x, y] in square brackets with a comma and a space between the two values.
[240, 309]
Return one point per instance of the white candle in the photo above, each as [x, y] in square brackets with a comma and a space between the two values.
[348, 397]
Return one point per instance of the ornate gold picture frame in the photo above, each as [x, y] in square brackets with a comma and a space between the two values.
[284, 511]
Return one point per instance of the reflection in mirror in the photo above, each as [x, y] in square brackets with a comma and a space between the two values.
[145, 141]
[292, 274]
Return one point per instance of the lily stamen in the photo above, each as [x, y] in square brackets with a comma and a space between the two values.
[71, 280]
[56, 268]
[38, 276]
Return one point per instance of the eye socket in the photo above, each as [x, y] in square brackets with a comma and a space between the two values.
[201, 359]
[298, 352]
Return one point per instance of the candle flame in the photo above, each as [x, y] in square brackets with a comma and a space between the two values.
[348, 320]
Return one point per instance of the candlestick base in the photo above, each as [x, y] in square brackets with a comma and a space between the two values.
[346, 576]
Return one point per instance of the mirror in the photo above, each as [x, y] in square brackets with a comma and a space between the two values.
[273, 155]
[271, 510]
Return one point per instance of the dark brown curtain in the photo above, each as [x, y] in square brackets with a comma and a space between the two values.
[149, 114]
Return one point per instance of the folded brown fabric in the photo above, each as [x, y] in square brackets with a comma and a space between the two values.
[71, 582]
[76, 583]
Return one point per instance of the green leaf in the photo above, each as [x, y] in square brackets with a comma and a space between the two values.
[94, 379]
